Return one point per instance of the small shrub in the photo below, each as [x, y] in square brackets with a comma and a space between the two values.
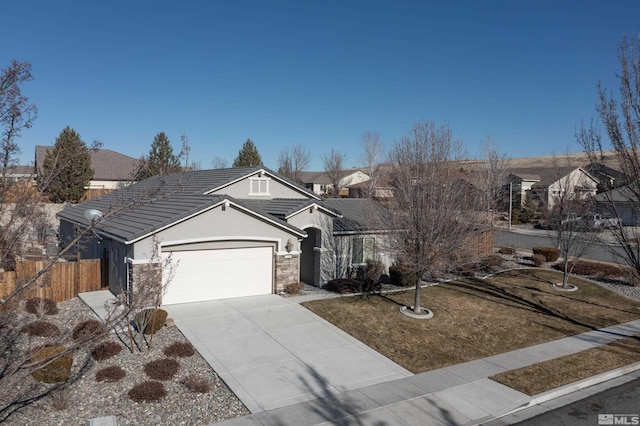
[179, 349]
[106, 350]
[402, 276]
[294, 288]
[344, 285]
[42, 329]
[162, 369]
[538, 259]
[88, 328]
[41, 306]
[196, 384]
[507, 250]
[149, 321]
[550, 254]
[51, 366]
[60, 399]
[147, 392]
[373, 270]
[110, 374]
[587, 268]
[352, 285]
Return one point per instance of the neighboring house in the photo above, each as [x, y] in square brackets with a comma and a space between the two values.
[320, 184]
[545, 184]
[608, 177]
[621, 203]
[20, 173]
[383, 190]
[519, 186]
[111, 170]
[235, 232]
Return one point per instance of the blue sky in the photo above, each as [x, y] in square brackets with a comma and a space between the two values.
[317, 74]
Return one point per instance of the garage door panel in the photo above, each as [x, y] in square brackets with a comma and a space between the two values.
[220, 274]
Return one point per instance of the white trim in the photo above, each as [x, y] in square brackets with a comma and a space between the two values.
[278, 241]
[279, 249]
[259, 179]
[315, 206]
[136, 261]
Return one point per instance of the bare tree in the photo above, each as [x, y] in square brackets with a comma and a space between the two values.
[16, 111]
[334, 168]
[372, 152]
[568, 221]
[293, 161]
[620, 120]
[22, 355]
[435, 213]
[492, 176]
[219, 163]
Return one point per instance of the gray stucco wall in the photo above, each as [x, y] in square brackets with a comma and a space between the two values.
[216, 224]
[318, 219]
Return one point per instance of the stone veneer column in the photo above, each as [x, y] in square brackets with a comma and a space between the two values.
[287, 270]
[147, 284]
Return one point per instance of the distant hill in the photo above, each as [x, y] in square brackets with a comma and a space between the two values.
[561, 160]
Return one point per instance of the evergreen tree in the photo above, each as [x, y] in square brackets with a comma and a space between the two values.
[248, 156]
[160, 159]
[66, 170]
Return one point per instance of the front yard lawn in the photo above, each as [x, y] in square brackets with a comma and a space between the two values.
[476, 318]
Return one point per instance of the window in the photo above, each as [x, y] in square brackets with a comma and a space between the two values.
[364, 248]
[259, 186]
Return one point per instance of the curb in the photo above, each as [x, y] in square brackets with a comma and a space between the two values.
[576, 386]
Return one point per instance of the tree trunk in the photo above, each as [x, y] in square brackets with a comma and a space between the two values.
[565, 275]
[416, 301]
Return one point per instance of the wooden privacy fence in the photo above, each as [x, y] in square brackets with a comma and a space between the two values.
[63, 281]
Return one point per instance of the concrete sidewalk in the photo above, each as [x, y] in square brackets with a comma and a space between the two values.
[461, 394]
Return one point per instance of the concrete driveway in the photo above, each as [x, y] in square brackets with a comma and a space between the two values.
[273, 352]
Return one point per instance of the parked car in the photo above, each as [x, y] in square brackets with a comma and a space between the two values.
[600, 221]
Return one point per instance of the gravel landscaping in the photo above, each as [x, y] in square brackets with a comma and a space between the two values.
[84, 398]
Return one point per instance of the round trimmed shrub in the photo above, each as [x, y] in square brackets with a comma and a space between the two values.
[87, 329]
[179, 349]
[402, 276]
[110, 374]
[150, 391]
[42, 329]
[41, 306]
[551, 254]
[51, 366]
[106, 350]
[162, 369]
[151, 320]
[196, 384]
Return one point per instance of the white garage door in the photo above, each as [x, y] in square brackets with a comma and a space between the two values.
[220, 274]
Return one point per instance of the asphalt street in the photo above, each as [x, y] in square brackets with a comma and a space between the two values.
[616, 406]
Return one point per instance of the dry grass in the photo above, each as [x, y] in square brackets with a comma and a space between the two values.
[476, 318]
[548, 375]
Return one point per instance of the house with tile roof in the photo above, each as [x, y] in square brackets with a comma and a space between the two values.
[111, 170]
[232, 233]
